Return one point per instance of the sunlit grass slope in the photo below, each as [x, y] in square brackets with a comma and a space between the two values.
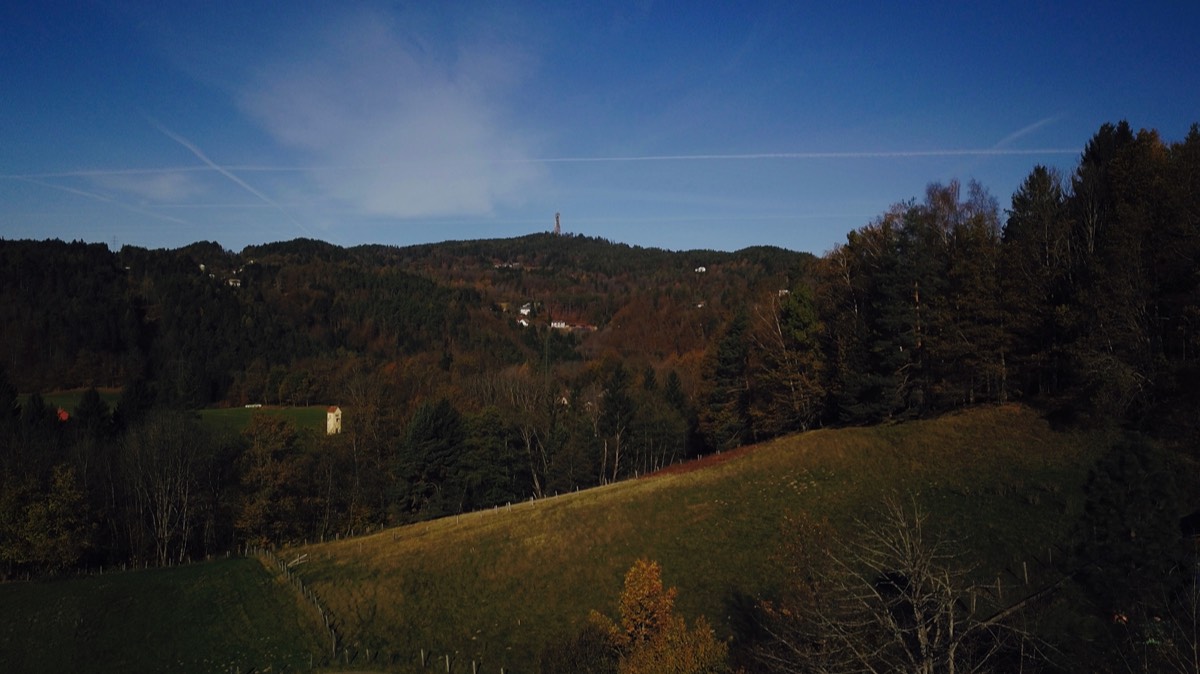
[224, 616]
[496, 586]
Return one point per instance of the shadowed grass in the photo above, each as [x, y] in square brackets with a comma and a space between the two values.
[69, 399]
[228, 615]
[497, 586]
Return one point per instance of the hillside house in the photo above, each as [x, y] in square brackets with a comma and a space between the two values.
[333, 420]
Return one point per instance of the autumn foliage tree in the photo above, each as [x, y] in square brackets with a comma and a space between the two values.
[274, 482]
[650, 638]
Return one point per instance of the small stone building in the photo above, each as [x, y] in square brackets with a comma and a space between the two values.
[333, 420]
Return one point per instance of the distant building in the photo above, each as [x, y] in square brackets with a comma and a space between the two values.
[701, 270]
[234, 282]
[333, 420]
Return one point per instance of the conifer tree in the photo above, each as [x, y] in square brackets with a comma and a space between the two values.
[724, 417]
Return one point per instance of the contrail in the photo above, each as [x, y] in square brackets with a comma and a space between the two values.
[1027, 130]
[101, 173]
[251, 168]
[99, 197]
[214, 166]
[904, 154]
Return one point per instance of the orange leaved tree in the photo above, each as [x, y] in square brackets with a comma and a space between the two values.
[651, 638]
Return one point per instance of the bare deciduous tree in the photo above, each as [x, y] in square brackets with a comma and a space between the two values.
[162, 468]
[895, 599]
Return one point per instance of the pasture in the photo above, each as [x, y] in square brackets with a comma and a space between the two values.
[69, 399]
[500, 586]
[233, 420]
[229, 615]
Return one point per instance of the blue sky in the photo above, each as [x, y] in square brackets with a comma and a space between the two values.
[676, 125]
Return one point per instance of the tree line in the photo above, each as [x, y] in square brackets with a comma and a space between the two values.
[1083, 300]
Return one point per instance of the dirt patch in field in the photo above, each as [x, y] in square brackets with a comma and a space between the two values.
[702, 462]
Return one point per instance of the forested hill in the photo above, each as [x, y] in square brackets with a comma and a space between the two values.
[1081, 295]
[283, 322]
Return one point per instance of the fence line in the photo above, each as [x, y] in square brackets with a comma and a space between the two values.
[426, 658]
[331, 624]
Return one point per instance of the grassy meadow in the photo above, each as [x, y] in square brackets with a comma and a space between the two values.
[496, 586]
[234, 420]
[69, 399]
[221, 420]
[223, 616]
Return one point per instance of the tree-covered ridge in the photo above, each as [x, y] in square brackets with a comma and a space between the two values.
[65, 316]
[197, 322]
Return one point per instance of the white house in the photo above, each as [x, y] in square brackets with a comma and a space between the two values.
[333, 420]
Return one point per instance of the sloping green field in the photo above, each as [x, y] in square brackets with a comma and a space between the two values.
[224, 616]
[496, 586]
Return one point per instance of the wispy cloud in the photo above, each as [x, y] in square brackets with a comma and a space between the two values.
[395, 130]
[156, 187]
[97, 197]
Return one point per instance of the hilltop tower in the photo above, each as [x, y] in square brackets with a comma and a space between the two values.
[557, 226]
